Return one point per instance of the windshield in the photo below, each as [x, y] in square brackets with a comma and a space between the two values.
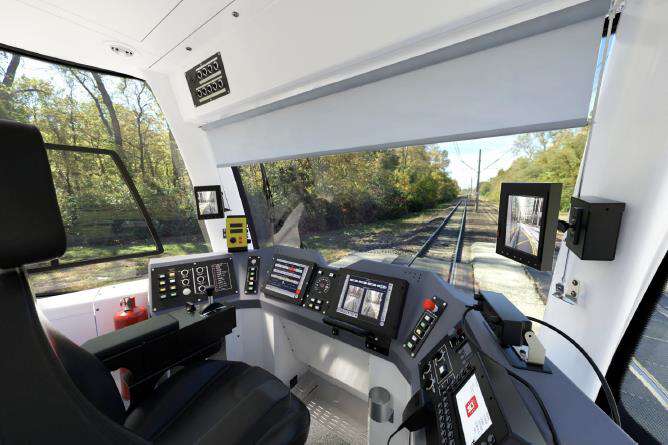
[420, 205]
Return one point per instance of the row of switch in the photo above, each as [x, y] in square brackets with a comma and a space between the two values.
[251, 274]
[433, 308]
[314, 304]
[167, 290]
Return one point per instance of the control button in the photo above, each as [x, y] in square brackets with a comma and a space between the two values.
[173, 294]
[491, 439]
[331, 275]
[163, 296]
[186, 291]
[319, 301]
[253, 261]
[423, 325]
[172, 280]
[429, 305]
[161, 276]
[410, 345]
[419, 332]
[172, 274]
[414, 338]
[317, 308]
[163, 289]
[310, 305]
[427, 318]
[442, 370]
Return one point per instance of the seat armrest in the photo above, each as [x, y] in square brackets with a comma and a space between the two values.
[114, 343]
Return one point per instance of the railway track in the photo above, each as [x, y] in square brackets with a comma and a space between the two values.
[442, 249]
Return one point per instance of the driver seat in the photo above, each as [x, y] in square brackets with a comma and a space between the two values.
[54, 391]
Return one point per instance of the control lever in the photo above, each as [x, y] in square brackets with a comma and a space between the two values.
[213, 306]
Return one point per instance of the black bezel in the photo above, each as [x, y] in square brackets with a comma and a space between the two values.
[219, 201]
[397, 299]
[551, 194]
[498, 427]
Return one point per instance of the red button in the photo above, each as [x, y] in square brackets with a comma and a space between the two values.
[429, 305]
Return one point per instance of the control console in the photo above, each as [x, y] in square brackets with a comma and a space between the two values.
[175, 285]
[466, 391]
[433, 309]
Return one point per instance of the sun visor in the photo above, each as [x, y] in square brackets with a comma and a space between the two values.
[539, 82]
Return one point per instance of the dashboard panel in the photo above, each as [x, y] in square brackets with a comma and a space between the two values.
[298, 286]
[174, 285]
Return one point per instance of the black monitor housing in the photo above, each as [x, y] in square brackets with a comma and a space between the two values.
[527, 227]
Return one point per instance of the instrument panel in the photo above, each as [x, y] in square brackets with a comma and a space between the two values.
[173, 286]
[409, 316]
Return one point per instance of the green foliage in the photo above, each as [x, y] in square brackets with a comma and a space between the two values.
[558, 161]
[351, 188]
[81, 108]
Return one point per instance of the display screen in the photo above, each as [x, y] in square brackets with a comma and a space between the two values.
[288, 278]
[207, 202]
[365, 297]
[523, 219]
[473, 412]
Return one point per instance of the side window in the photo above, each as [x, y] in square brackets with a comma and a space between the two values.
[638, 373]
[109, 239]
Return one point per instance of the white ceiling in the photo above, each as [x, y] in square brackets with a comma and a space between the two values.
[272, 49]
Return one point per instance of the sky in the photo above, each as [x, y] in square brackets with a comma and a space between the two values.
[496, 154]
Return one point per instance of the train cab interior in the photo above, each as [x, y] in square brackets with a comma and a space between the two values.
[312, 222]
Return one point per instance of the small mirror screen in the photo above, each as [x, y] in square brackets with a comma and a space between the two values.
[472, 410]
[208, 203]
[523, 220]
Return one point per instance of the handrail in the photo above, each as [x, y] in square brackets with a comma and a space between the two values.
[432, 238]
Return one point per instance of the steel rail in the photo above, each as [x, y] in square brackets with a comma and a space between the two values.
[458, 247]
[425, 247]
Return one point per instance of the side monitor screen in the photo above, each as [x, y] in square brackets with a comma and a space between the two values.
[523, 219]
[528, 215]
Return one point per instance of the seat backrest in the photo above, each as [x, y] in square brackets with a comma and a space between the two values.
[51, 390]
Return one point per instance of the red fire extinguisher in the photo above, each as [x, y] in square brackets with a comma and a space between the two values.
[129, 315]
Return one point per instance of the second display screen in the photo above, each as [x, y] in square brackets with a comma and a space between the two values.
[365, 297]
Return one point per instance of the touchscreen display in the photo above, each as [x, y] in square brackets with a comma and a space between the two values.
[364, 297]
[472, 410]
[287, 278]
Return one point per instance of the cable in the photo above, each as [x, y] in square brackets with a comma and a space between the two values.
[401, 427]
[612, 404]
[476, 346]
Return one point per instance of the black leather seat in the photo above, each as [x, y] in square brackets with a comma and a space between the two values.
[54, 391]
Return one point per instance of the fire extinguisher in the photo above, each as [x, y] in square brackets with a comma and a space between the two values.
[129, 315]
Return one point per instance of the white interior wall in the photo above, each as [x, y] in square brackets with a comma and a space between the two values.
[197, 156]
[627, 161]
[539, 82]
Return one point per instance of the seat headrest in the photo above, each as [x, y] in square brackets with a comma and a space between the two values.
[31, 228]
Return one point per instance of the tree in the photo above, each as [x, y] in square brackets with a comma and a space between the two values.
[558, 162]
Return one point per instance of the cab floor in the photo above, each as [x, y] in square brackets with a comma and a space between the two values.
[337, 417]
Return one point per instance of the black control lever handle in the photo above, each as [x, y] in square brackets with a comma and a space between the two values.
[338, 324]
